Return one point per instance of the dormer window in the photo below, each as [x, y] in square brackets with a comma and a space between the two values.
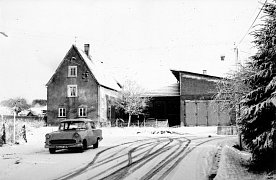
[72, 71]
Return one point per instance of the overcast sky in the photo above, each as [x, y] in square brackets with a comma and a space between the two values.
[141, 39]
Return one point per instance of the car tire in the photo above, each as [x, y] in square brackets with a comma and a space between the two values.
[96, 145]
[52, 150]
[84, 145]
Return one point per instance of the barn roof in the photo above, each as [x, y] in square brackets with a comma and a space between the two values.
[164, 91]
[193, 75]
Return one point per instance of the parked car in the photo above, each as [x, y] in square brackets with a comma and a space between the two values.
[74, 133]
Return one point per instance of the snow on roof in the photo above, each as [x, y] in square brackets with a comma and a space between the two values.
[193, 75]
[100, 72]
[165, 91]
[38, 110]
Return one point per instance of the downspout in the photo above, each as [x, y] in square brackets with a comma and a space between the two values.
[99, 104]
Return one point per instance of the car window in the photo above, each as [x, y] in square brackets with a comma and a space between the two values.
[72, 125]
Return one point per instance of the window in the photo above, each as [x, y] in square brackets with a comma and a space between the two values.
[72, 125]
[82, 112]
[72, 71]
[61, 112]
[72, 90]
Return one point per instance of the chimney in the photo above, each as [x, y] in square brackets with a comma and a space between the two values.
[205, 72]
[86, 49]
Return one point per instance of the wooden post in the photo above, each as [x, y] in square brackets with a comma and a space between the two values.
[144, 121]
[218, 113]
[196, 113]
[184, 116]
[207, 113]
[14, 113]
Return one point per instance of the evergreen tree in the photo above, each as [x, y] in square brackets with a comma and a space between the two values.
[258, 119]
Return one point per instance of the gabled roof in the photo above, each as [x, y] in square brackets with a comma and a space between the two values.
[101, 74]
[192, 75]
[165, 91]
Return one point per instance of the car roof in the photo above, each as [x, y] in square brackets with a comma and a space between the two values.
[78, 120]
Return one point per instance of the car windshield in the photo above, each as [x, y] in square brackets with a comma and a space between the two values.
[72, 125]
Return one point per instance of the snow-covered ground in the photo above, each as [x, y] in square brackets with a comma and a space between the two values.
[194, 147]
[233, 166]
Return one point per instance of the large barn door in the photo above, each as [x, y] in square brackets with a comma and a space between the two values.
[205, 113]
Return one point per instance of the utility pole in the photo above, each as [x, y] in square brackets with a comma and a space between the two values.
[15, 112]
[237, 64]
[236, 51]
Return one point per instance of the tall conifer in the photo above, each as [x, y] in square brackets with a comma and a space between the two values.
[258, 116]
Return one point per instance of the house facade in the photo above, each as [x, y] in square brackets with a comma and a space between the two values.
[80, 87]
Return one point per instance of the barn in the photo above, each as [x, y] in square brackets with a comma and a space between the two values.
[189, 102]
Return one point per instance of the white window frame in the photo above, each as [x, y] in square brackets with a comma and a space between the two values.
[70, 92]
[82, 112]
[70, 70]
[61, 112]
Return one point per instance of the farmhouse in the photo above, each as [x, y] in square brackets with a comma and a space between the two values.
[81, 87]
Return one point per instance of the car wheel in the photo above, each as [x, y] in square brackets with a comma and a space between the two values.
[96, 144]
[52, 150]
[84, 145]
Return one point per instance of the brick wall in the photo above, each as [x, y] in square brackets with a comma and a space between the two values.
[194, 88]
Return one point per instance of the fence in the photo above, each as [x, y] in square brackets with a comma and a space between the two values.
[206, 113]
[150, 122]
[22, 124]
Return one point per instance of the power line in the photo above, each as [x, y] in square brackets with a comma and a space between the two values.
[253, 22]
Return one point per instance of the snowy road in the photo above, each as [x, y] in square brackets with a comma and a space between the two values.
[131, 157]
[142, 159]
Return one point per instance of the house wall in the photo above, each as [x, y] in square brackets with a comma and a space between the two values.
[87, 94]
[106, 111]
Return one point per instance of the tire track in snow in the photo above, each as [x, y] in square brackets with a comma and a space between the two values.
[123, 170]
[137, 157]
[82, 169]
[167, 171]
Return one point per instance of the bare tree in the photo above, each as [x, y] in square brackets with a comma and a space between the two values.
[20, 104]
[132, 100]
[234, 87]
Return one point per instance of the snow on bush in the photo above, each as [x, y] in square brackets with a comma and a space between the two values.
[233, 165]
